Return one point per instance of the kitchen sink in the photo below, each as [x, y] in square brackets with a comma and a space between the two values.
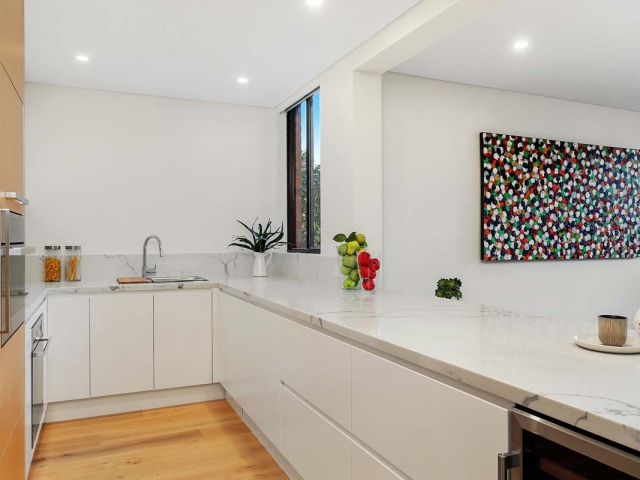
[177, 279]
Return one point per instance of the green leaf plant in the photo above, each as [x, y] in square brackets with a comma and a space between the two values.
[449, 288]
[261, 240]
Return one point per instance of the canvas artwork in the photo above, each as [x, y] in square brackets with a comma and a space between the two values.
[551, 200]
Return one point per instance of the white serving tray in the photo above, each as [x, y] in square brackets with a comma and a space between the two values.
[590, 341]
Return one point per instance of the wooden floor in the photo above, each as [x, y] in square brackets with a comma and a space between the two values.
[199, 441]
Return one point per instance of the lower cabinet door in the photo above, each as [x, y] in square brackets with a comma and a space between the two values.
[313, 446]
[121, 344]
[182, 339]
[421, 426]
[12, 460]
[366, 467]
[68, 353]
[249, 343]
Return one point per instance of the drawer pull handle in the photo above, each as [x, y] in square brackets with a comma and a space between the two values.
[506, 462]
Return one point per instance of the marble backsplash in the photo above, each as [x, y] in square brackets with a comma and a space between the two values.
[213, 266]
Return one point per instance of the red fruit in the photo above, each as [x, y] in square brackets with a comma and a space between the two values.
[369, 285]
[364, 258]
[365, 272]
[372, 274]
[374, 264]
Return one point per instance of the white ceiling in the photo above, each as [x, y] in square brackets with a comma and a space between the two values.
[197, 49]
[583, 50]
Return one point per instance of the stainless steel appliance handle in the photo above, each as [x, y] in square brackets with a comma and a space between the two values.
[506, 462]
[47, 340]
[6, 328]
[21, 199]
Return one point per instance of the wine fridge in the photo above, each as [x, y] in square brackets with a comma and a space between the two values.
[546, 450]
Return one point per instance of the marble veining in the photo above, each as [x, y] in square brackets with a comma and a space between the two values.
[529, 360]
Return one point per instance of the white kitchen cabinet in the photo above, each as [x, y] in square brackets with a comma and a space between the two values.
[424, 427]
[68, 352]
[182, 335]
[313, 446]
[249, 346]
[121, 339]
[318, 368]
[366, 467]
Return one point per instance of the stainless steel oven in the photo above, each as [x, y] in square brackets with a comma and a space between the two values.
[546, 450]
[12, 266]
[39, 346]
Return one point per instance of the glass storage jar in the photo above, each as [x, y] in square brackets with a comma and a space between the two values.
[72, 263]
[52, 263]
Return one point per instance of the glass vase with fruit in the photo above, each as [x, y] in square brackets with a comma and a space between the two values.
[347, 252]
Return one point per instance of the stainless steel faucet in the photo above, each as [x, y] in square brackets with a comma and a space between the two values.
[146, 270]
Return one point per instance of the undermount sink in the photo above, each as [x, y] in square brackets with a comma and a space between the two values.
[176, 279]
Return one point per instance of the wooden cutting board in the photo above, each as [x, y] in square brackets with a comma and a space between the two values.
[131, 280]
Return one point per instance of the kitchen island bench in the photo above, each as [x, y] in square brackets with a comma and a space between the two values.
[500, 356]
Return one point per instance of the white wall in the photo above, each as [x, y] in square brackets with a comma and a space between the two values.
[431, 196]
[350, 109]
[107, 169]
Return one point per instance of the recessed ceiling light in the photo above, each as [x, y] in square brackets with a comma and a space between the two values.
[82, 58]
[521, 44]
[243, 80]
[314, 3]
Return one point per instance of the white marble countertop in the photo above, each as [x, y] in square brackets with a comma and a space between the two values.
[526, 359]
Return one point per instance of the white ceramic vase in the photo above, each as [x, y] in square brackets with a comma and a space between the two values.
[636, 321]
[260, 263]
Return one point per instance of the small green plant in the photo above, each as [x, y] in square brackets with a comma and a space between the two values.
[262, 239]
[449, 288]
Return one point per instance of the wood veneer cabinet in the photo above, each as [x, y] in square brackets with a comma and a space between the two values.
[12, 42]
[12, 355]
[11, 101]
[11, 142]
[12, 402]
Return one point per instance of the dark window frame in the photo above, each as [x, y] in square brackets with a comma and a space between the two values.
[291, 187]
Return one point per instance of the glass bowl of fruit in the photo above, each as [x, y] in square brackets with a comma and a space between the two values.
[369, 270]
[347, 257]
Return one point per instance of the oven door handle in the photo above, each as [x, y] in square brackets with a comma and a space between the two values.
[43, 353]
[5, 326]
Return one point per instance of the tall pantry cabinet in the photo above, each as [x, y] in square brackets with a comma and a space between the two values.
[12, 358]
[11, 101]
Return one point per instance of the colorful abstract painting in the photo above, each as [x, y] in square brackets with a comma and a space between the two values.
[551, 200]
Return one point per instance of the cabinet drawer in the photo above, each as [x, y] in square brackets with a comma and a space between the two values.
[421, 425]
[315, 448]
[68, 357]
[318, 368]
[366, 467]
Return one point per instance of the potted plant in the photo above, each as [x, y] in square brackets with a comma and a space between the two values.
[449, 288]
[261, 241]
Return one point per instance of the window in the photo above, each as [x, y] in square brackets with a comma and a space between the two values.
[303, 172]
